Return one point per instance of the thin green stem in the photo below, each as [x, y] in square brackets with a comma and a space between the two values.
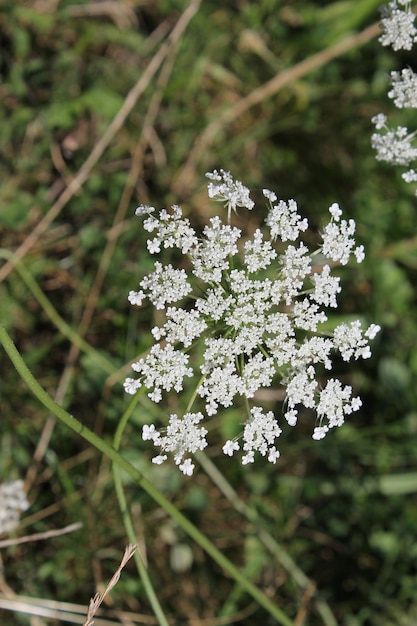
[54, 316]
[194, 395]
[143, 572]
[140, 479]
[264, 536]
[125, 417]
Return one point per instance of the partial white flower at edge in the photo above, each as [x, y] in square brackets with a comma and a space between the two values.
[13, 501]
[398, 25]
[404, 89]
[395, 145]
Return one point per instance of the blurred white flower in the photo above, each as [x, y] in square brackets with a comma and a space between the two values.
[13, 501]
[396, 145]
[398, 25]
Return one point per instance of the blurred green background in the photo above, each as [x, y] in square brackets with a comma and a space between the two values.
[105, 105]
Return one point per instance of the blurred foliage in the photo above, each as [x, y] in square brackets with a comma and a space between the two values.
[343, 509]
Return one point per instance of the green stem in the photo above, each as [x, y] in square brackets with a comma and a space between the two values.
[125, 417]
[54, 316]
[143, 572]
[264, 536]
[194, 395]
[138, 477]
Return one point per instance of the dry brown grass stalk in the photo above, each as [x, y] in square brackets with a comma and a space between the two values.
[99, 597]
[6, 543]
[69, 612]
[101, 146]
[183, 183]
[165, 58]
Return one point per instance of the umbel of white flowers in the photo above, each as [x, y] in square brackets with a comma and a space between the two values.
[258, 306]
[395, 145]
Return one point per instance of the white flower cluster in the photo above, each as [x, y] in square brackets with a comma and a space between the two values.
[395, 145]
[258, 307]
[12, 502]
[231, 192]
[398, 25]
[404, 89]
